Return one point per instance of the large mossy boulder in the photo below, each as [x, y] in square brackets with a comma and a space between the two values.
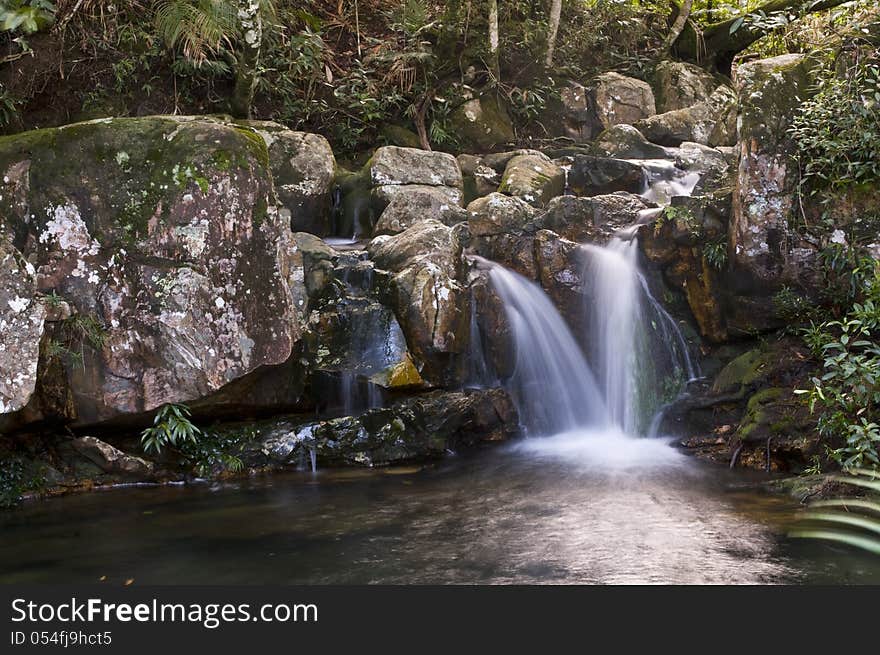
[617, 99]
[409, 185]
[160, 236]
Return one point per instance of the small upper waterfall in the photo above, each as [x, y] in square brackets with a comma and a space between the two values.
[552, 383]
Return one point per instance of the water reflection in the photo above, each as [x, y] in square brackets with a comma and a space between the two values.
[511, 515]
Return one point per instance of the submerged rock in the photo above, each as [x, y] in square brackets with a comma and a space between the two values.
[415, 429]
[112, 460]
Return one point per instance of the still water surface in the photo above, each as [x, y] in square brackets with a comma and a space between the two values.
[565, 510]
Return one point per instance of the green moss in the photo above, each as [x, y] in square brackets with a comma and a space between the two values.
[742, 371]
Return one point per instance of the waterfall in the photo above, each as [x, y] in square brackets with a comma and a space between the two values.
[552, 383]
[640, 357]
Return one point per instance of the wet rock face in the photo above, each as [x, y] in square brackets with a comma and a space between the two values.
[22, 316]
[303, 168]
[422, 287]
[591, 220]
[160, 236]
[626, 142]
[415, 429]
[764, 248]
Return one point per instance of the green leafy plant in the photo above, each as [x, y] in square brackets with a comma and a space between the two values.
[172, 428]
[847, 391]
[26, 16]
[11, 483]
[15, 481]
[715, 253]
[854, 521]
[837, 131]
[214, 452]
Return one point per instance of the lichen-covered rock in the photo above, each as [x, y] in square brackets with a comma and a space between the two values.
[22, 315]
[679, 84]
[626, 142]
[764, 249]
[393, 165]
[160, 235]
[593, 176]
[533, 177]
[497, 214]
[423, 289]
[483, 123]
[575, 117]
[423, 427]
[412, 204]
[617, 99]
[709, 122]
[303, 168]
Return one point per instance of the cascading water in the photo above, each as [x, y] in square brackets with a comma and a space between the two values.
[641, 359]
[552, 383]
[663, 180]
[639, 355]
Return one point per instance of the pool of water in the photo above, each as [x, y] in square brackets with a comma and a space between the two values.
[570, 509]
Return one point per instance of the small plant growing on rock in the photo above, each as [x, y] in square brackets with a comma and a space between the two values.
[171, 427]
[715, 253]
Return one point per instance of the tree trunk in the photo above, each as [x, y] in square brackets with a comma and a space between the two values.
[555, 15]
[494, 64]
[248, 59]
[680, 20]
[719, 43]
